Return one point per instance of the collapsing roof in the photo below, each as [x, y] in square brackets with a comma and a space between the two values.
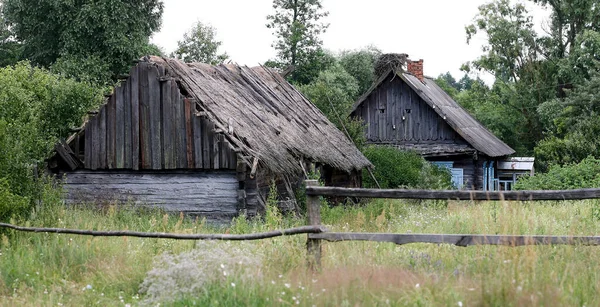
[263, 116]
[458, 118]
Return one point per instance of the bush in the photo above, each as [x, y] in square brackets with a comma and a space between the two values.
[403, 169]
[585, 174]
[36, 109]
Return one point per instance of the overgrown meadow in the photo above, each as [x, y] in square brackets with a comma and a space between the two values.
[41, 269]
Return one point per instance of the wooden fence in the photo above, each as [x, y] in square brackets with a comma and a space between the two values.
[316, 232]
[314, 191]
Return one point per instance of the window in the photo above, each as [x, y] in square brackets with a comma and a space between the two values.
[457, 173]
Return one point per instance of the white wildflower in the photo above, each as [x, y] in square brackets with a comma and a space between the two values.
[233, 285]
[287, 285]
[417, 285]
[89, 287]
[459, 304]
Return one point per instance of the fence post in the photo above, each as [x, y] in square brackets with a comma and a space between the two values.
[313, 246]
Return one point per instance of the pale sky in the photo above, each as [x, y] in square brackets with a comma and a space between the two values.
[432, 30]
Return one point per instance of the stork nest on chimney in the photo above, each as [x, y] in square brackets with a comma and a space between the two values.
[387, 61]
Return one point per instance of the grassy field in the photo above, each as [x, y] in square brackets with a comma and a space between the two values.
[67, 270]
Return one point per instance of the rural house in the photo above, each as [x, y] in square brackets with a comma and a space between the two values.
[409, 111]
[204, 140]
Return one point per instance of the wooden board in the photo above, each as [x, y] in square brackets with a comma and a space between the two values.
[458, 239]
[189, 132]
[197, 142]
[180, 135]
[102, 138]
[145, 143]
[155, 117]
[110, 132]
[120, 128]
[455, 194]
[135, 117]
[168, 133]
[127, 129]
[95, 142]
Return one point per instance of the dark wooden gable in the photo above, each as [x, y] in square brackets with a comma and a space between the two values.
[395, 114]
[148, 124]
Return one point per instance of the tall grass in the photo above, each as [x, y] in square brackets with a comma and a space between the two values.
[51, 269]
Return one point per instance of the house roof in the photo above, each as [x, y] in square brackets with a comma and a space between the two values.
[458, 118]
[264, 116]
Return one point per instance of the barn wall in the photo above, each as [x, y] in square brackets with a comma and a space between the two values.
[210, 194]
[148, 124]
[395, 114]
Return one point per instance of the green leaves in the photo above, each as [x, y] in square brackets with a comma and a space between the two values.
[297, 27]
[36, 109]
[199, 44]
[114, 32]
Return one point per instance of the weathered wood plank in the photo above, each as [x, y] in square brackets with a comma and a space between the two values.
[313, 216]
[168, 135]
[155, 116]
[180, 135]
[87, 146]
[456, 194]
[458, 239]
[120, 128]
[216, 155]
[206, 146]
[135, 117]
[127, 137]
[95, 142]
[110, 132]
[189, 132]
[145, 143]
[197, 141]
[102, 138]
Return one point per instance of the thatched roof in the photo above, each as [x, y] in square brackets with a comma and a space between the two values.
[264, 116]
[458, 118]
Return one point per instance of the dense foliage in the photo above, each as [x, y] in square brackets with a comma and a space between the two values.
[108, 33]
[585, 174]
[199, 44]
[531, 105]
[36, 109]
[403, 169]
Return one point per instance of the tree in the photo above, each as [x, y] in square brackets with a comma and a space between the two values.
[361, 65]
[297, 27]
[334, 92]
[113, 31]
[199, 44]
[574, 126]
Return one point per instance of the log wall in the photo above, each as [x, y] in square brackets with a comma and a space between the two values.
[210, 194]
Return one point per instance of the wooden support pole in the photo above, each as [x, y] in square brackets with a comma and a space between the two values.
[313, 246]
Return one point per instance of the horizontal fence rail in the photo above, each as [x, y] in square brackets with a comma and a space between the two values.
[176, 236]
[457, 239]
[455, 194]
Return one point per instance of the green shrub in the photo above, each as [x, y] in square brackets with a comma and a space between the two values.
[11, 204]
[585, 174]
[36, 109]
[396, 168]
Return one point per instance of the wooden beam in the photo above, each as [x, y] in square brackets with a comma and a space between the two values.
[456, 194]
[313, 216]
[458, 239]
[254, 168]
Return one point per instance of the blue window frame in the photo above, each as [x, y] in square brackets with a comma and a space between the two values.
[457, 173]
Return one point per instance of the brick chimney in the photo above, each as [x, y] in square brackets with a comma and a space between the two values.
[415, 68]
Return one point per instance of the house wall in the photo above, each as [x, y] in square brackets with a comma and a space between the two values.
[468, 166]
[395, 114]
[204, 194]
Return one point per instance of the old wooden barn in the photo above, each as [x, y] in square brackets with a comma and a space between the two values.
[409, 111]
[203, 140]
